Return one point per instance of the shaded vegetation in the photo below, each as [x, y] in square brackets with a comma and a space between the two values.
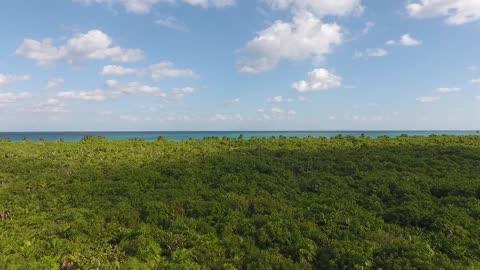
[284, 203]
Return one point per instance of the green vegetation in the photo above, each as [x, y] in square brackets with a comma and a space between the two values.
[284, 203]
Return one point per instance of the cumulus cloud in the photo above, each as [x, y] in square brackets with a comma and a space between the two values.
[8, 79]
[54, 83]
[305, 37]
[135, 88]
[132, 6]
[93, 45]
[51, 105]
[113, 70]
[211, 3]
[457, 12]
[145, 6]
[10, 97]
[405, 40]
[113, 89]
[318, 80]
[167, 70]
[275, 113]
[427, 99]
[96, 95]
[448, 89]
[111, 83]
[319, 8]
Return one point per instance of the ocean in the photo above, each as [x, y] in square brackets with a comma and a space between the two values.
[198, 135]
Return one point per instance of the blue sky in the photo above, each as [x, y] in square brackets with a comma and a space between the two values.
[75, 65]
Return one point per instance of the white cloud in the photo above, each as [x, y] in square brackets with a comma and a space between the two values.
[96, 95]
[234, 101]
[145, 6]
[368, 26]
[54, 83]
[318, 79]
[111, 83]
[305, 37]
[211, 3]
[172, 23]
[277, 110]
[390, 42]
[457, 11]
[226, 117]
[376, 52]
[282, 99]
[407, 40]
[427, 99]
[167, 70]
[475, 81]
[8, 79]
[319, 8]
[448, 89]
[276, 99]
[113, 70]
[181, 92]
[52, 105]
[129, 118]
[10, 97]
[93, 45]
[472, 68]
[135, 88]
[133, 6]
[275, 113]
[114, 89]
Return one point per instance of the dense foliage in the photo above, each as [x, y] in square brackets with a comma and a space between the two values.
[220, 203]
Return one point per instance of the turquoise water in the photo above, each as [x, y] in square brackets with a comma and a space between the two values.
[198, 135]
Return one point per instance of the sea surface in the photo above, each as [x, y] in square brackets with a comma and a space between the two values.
[198, 135]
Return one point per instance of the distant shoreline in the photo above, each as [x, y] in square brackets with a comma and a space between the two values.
[73, 136]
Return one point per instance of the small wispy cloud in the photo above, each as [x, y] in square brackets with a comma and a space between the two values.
[427, 99]
[448, 89]
[368, 26]
[371, 52]
[54, 83]
[173, 23]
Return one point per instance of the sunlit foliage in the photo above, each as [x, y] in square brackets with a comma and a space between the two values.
[220, 203]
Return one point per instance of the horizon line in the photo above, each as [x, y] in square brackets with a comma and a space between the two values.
[238, 131]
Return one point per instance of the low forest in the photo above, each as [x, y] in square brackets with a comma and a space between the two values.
[222, 203]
